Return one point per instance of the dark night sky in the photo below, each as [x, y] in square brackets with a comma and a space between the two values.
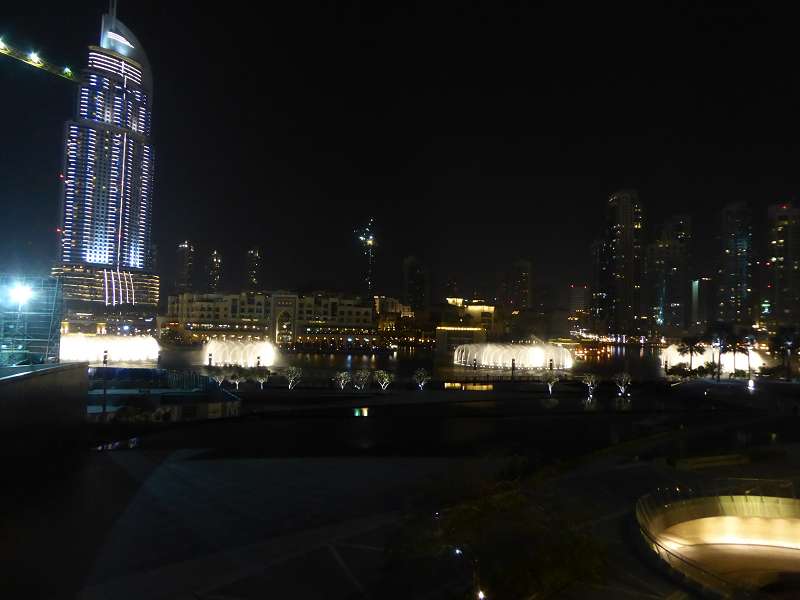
[474, 135]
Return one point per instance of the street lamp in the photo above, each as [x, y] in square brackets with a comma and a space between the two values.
[20, 293]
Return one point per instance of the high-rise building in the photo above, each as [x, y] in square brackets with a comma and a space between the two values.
[579, 306]
[702, 311]
[214, 271]
[367, 242]
[184, 280]
[601, 284]
[667, 274]
[619, 260]
[515, 285]
[783, 264]
[107, 193]
[253, 268]
[734, 275]
[416, 284]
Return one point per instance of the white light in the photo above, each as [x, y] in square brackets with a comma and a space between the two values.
[751, 385]
[21, 293]
[34, 57]
[481, 595]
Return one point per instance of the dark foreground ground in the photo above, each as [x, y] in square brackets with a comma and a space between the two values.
[298, 503]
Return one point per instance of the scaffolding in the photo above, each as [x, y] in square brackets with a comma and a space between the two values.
[30, 319]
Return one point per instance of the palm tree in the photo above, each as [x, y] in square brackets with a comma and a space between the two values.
[691, 346]
[740, 343]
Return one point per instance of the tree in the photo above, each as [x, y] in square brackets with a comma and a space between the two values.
[235, 374]
[691, 346]
[261, 375]
[741, 344]
[216, 374]
[550, 378]
[361, 379]
[623, 380]
[293, 375]
[342, 379]
[421, 377]
[590, 379]
[384, 379]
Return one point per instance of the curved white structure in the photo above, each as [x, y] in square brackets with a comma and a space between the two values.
[121, 348]
[672, 357]
[242, 353]
[536, 355]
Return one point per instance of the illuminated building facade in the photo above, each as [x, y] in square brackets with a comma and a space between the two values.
[618, 259]
[107, 193]
[285, 318]
[783, 264]
[734, 275]
[668, 286]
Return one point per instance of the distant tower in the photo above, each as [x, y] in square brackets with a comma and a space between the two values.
[185, 276]
[666, 277]
[253, 268]
[619, 261]
[367, 242]
[515, 285]
[734, 277]
[214, 271]
[783, 264]
[416, 284]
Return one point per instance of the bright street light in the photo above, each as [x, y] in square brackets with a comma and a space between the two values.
[21, 293]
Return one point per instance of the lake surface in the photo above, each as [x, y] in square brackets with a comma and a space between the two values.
[641, 362]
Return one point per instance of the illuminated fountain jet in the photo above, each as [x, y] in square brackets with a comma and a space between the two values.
[536, 355]
[242, 353]
[120, 348]
[672, 357]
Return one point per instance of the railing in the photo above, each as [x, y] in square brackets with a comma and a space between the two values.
[652, 508]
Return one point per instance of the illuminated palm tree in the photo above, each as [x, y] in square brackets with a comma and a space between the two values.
[691, 346]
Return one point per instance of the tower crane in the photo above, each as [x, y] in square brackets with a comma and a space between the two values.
[33, 59]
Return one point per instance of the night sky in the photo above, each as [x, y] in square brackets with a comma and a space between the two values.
[474, 135]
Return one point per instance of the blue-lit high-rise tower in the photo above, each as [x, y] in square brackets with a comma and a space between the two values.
[107, 193]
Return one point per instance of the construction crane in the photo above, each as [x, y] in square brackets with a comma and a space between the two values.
[33, 59]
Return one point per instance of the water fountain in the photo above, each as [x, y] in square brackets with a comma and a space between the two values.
[672, 357]
[120, 348]
[536, 355]
[239, 352]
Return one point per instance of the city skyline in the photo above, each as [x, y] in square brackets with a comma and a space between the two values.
[473, 165]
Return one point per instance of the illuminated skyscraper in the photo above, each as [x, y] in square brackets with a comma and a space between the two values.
[214, 271]
[783, 264]
[367, 243]
[107, 192]
[184, 282]
[668, 286]
[618, 264]
[253, 269]
[734, 277]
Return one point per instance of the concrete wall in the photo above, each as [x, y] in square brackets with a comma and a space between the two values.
[42, 406]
